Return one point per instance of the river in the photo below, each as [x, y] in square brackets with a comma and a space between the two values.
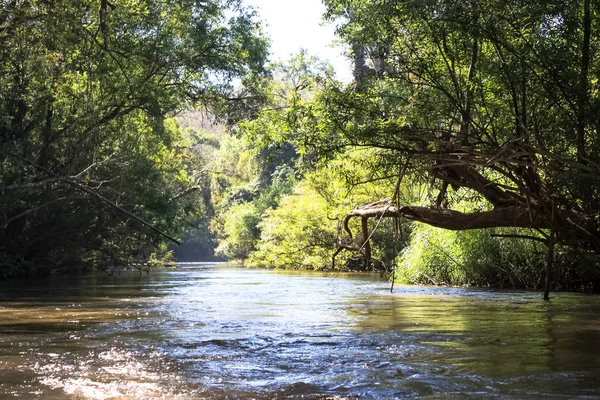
[213, 332]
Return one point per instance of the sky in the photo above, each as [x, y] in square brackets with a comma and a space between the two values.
[296, 24]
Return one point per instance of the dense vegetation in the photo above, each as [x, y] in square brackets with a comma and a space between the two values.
[466, 151]
[478, 117]
[93, 171]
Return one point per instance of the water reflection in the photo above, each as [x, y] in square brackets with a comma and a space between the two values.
[214, 332]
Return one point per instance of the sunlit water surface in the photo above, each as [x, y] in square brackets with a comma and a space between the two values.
[207, 331]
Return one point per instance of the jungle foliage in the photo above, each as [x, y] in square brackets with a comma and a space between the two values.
[476, 115]
[499, 98]
[93, 172]
[276, 205]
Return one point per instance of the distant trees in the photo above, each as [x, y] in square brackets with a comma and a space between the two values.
[257, 166]
[279, 207]
[92, 171]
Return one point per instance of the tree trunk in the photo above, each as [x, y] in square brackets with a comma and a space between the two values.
[582, 92]
[367, 244]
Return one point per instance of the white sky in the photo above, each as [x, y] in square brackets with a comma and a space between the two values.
[296, 24]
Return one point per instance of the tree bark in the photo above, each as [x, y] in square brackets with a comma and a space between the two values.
[515, 216]
[367, 243]
[550, 261]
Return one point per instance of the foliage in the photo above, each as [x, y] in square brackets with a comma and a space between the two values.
[486, 110]
[297, 234]
[490, 103]
[272, 179]
[92, 170]
[488, 113]
[246, 183]
[198, 242]
[255, 167]
[483, 258]
[302, 231]
[241, 230]
[576, 270]
[474, 257]
[497, 98]
[161, 259]
[473, 114]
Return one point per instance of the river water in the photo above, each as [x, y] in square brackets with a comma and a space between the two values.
[212, 332]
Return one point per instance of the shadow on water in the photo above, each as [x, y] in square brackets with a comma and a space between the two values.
[204, 331]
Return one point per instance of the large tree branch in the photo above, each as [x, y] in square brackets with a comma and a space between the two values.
[520, 217]
[571, 227]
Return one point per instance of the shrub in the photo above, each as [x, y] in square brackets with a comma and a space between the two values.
[298, 234]
[240, 228]
[472, 257]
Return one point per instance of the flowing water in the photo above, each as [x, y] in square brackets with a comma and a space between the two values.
[207, 331]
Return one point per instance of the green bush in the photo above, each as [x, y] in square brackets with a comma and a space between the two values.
[472, 257]
[297, 234]
[240, 228]
[576, 270]
[300, 231]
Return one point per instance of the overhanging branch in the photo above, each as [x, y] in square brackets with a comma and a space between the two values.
[97, 195]
[514, 216]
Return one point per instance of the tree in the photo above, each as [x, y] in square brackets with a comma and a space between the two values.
[91, 168]
[256, 166]
[500, 98]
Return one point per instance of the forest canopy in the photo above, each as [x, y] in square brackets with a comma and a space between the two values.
[475, 115]
[92, 169]
[500, 98]
[478, 117]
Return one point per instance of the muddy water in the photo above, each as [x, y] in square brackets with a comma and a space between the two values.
[208, 331]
